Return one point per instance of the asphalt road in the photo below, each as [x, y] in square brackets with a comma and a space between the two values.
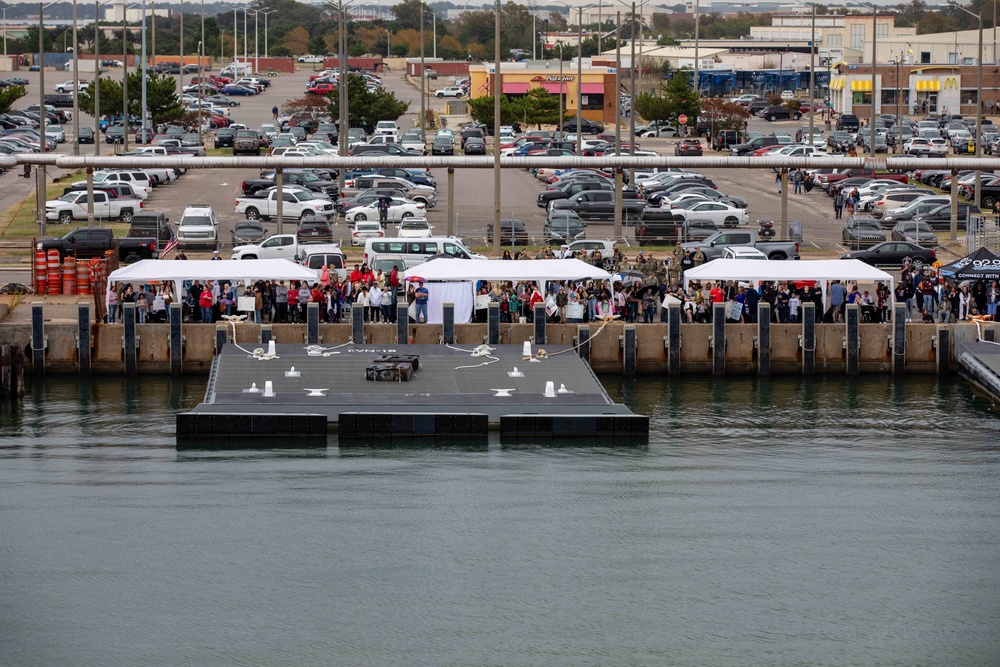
[473, 188]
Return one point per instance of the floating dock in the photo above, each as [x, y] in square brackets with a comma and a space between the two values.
[979, 363]
[371, 391]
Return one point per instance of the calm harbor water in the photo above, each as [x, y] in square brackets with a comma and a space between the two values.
[829, 522]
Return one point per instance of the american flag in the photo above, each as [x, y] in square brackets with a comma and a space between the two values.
[171, 244]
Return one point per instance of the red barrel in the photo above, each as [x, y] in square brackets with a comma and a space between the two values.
[83, 278]
[69, 276]
[41, 272]
[55, 282]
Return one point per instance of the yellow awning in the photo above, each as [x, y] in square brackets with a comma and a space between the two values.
[928, 85]
[837, 84]
[863, 86]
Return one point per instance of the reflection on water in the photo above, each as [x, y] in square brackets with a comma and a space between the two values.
[784, 521]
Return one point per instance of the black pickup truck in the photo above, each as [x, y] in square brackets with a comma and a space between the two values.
[95, 241]
[305, 179]
[600, 204]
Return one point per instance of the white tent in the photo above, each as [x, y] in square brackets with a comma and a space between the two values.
[247, 270]
[447, 270]
[820, 270]
[229, 270]
[456, 279]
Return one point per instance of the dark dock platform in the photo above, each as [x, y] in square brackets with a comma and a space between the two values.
[979, 363]
[449, 393]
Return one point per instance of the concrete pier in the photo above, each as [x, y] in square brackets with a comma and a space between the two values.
[673, 347]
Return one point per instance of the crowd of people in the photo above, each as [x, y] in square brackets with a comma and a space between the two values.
[644, 287]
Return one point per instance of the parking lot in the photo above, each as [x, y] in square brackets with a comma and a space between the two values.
[474, 193]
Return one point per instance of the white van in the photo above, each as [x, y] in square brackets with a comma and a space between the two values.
[416, 251]
[316, 256]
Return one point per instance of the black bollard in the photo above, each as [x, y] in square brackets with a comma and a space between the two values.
[448, 317]
[583, 340]
[674, 339]
[539, 324]
[266, 333]
[763, 338]
[943, 349]
[809, 339]
[493, 323]
[899, 339]
[312, 323]
[852, 317]
[83, 337]
[402, 324]
[128, 318]
[718, 339]
[176, 338]
[358, 325]
[630, 343]
[37, 338]
[221, 338]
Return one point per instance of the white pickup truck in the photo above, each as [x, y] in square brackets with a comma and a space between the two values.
[73, 206]
[279, 246]
[295, 204]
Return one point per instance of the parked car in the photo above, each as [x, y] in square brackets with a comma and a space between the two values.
[940, 218]
[690, 146]
[443, 145]
[914, 232]
[719, 213]
[247, 231]
[224, 137]
[862, 232]
[314, 229]
[414, 228]
[450, 91]
[563, 227]
[512, 232]
[475, 146]
[894, 253]
[779, 112]
[586, 126]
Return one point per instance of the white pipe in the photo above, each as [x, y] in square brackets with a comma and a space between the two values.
[902, 163]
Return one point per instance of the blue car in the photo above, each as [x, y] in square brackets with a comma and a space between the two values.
[237, 90]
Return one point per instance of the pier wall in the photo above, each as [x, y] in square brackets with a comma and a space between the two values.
[607, 345]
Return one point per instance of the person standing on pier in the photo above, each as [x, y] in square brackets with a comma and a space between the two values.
[421, 296]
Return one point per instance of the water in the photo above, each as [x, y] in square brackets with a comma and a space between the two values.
[831, 522]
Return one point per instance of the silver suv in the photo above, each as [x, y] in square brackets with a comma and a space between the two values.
[198, 227]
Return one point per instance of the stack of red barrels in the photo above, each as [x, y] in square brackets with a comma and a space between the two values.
[69, 277]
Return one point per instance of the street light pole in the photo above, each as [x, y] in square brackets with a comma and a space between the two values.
[270, 11]
[497, 91]
[871, 121]
[423, 74]
[979, 117]
[812, 76]
[76, 85]
[618, 124]
[181, 54]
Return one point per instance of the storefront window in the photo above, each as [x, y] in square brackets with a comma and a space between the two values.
[889, 96]
[592, 102]
[970, 96]
[859, 97]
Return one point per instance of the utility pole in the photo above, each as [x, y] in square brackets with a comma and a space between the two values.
[76, 84]
[497, 91]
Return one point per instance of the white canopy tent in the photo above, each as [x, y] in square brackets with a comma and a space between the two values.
[448, 269]
[457, 278]
[246, 270]
[820, 270]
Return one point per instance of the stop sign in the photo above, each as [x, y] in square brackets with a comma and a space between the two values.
[682, 119]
